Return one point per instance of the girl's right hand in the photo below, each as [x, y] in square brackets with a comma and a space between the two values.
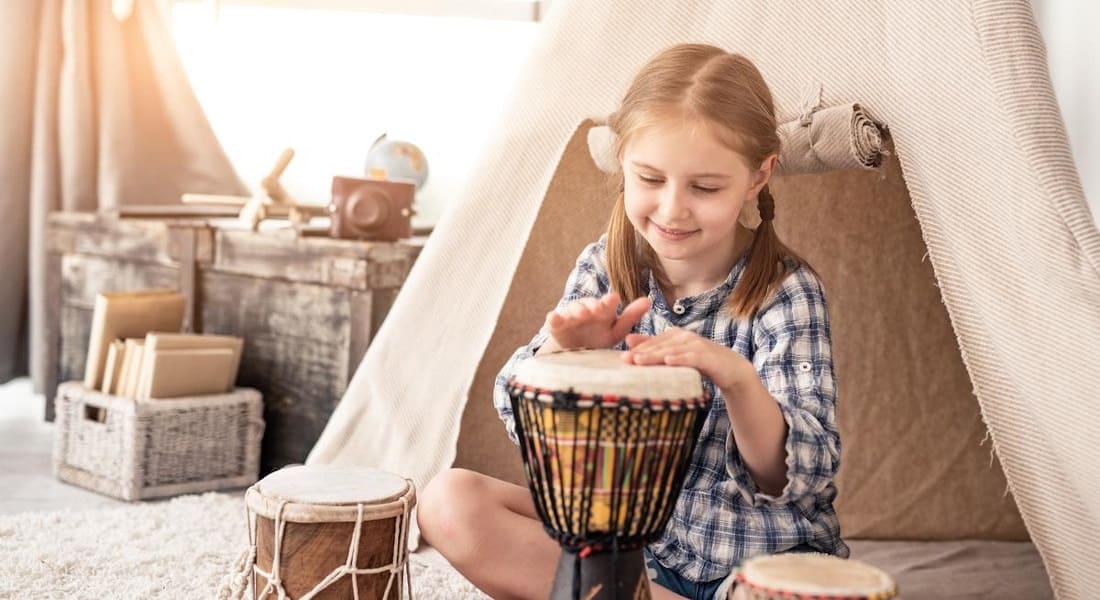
[592, 323]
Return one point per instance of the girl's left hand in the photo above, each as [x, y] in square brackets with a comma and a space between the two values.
[680, 347]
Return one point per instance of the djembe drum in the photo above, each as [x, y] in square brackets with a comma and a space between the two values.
[605, 447]
[811, 577]
[329, 532]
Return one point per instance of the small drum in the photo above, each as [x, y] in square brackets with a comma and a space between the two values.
[330, 532]
[811, 577]
[605, 447]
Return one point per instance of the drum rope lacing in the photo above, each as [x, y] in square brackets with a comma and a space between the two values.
[237, 586]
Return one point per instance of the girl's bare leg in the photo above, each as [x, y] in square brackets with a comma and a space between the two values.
[489, 532]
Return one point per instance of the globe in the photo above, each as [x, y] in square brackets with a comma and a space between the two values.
[397, 160]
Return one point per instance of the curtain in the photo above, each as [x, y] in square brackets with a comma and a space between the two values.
[97, 112]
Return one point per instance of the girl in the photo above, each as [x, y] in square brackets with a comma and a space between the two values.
[678, 280]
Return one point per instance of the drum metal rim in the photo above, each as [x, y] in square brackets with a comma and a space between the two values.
[583, 400]
[300, 512]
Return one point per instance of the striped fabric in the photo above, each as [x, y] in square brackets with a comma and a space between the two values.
[721, 518]
[965, 90]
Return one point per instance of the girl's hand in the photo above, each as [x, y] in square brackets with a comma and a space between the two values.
[593, 323]
[680, 347]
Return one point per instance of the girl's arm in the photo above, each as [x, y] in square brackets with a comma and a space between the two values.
[783, 442]
[758, 429]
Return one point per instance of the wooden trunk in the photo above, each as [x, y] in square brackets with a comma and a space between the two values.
[307, 307]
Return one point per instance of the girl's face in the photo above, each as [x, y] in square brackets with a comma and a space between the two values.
[684, 190]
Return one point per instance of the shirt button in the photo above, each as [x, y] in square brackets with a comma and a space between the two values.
[679, 308]
[804, 367]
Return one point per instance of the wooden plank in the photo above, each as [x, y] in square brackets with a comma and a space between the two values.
[84, 276]
[47, 365]
[135, 240]
[76, 327]
[184, 248]
[363, 328]
[296, 337]
[324, 261]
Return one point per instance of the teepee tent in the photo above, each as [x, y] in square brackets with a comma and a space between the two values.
[967, 267]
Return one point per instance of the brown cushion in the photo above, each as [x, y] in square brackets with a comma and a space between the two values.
[913, 463]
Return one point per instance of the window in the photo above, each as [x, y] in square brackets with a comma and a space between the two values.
[328, 82]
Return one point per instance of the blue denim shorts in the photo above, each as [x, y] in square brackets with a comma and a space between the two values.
[692, 590]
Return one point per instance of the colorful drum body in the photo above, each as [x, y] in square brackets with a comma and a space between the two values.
[330, 532]
[605, 447]
[811, 577]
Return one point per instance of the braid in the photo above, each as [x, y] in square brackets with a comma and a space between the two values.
[765, 204]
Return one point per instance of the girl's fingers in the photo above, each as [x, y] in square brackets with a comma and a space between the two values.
[634, 339]
[630, 316]
[658, 350]
[684, 359]
[576, 310]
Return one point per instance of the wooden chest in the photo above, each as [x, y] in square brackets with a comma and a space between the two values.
[307, 307]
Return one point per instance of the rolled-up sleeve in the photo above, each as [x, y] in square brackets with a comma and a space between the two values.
[588, 279]
[793, 358]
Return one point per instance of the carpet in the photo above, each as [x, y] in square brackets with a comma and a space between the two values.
[180, 548]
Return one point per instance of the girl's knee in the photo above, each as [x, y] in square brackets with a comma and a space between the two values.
[447, 507]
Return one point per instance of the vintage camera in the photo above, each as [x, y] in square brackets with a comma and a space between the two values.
[371, 209]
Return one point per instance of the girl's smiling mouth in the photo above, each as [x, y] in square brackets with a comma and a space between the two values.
[671, 233]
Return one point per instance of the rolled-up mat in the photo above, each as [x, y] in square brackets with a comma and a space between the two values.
[838, 137]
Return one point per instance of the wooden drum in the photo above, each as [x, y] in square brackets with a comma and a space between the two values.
[605, 447]
[330, 532]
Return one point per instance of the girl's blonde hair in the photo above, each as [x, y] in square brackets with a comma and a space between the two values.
[726, 91]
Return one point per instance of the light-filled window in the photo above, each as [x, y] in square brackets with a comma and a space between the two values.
[328, 82]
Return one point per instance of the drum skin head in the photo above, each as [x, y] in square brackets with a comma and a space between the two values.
[810, 575]
[603, 373]
[314, 493]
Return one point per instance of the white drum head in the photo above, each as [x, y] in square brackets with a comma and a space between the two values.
[816, 576]
[313, 493]
[603, 373]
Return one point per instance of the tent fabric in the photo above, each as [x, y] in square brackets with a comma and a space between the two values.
[915, 461]
[978, 134]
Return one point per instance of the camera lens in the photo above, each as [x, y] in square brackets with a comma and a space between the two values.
[367, 209]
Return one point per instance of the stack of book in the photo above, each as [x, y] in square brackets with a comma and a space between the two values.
[136, 350]
[169, 365]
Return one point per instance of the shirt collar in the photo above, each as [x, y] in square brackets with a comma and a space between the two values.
[705, 303]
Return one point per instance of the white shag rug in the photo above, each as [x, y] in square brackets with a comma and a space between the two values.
[181, 548]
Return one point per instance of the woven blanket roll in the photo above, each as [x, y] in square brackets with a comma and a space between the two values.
[838, 137]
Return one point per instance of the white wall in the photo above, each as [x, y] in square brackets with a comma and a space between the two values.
[327, 83]
[1070, 32]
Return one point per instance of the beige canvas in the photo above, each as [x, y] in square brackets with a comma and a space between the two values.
[976, 129]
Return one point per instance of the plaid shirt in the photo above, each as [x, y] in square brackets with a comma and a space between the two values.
[721, 518]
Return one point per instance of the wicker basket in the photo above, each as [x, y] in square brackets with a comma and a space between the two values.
[137, 449]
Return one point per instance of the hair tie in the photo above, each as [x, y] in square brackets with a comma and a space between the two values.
[765, 204]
